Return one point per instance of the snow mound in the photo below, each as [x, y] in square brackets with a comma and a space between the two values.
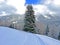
[10, 36]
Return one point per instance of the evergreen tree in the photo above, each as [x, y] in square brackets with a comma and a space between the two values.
[47, 30]
[29, 20]
[11, 26]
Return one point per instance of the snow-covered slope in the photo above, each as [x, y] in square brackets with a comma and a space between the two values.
[10, 36]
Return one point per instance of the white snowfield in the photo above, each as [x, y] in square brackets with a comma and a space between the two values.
[10, 36]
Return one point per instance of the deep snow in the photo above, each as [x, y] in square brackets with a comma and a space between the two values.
[10, 36]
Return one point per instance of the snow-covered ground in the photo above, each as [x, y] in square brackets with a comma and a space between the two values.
[10, 36]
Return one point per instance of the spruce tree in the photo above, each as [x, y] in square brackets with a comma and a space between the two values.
[29, 20]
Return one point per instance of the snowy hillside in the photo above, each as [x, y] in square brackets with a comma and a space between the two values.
[48, 19]
[12, 17]
[10, 36]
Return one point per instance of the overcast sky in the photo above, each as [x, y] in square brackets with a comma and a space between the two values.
[40, 6]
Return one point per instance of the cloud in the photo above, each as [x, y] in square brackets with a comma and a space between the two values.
[47, 2]
[6, 9]
[51, 7]
[11, 4]
[18, 4]
[40, 9]
[1, 1]
[54, 6]
[43, 7]
[56, 2]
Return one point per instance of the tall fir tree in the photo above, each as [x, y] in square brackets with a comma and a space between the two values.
[29, 20]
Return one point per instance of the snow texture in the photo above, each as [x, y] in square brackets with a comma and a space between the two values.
[10, 36]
